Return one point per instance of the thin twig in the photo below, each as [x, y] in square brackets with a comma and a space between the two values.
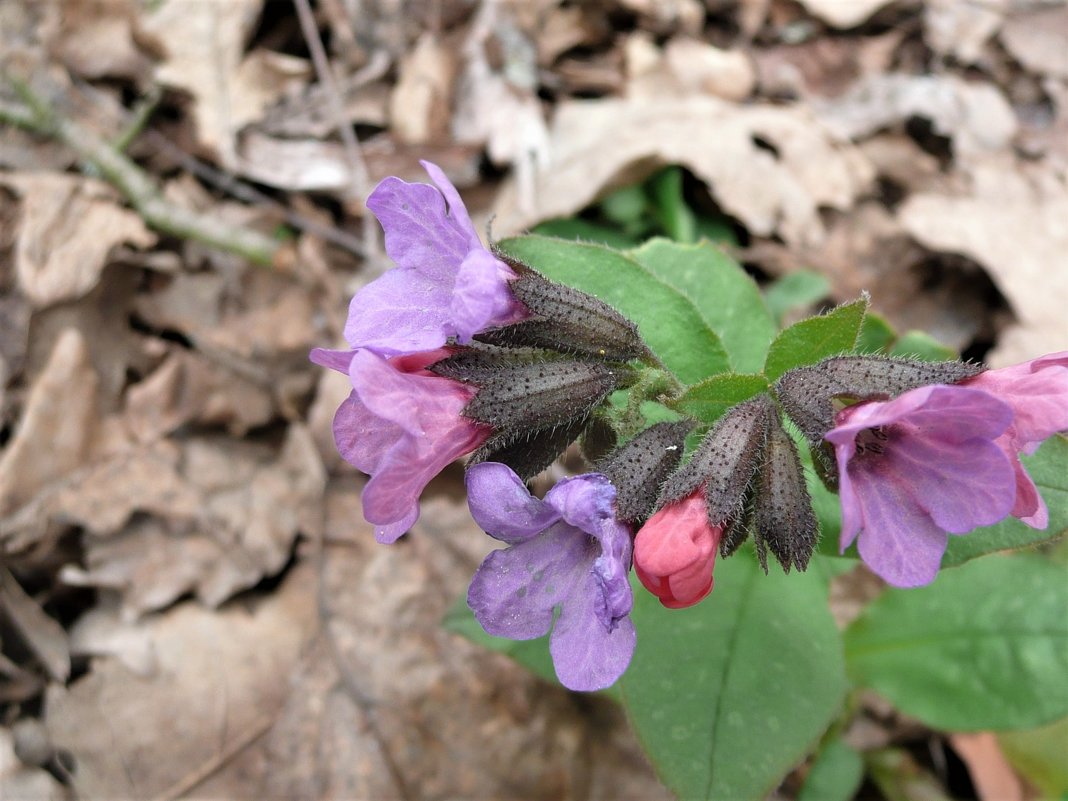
[353, 154]
[135, 185]
[139, 118]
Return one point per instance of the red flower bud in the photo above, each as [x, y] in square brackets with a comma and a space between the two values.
[675, 551]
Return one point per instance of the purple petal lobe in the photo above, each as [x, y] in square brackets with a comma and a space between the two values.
[515, 590]
[502, 505]
[401, 311]
[587, 656]
[390, 533]
[584, 501]
[481, 297]
[899, 542]
[334, 359]
[457, 209]
[419, 233]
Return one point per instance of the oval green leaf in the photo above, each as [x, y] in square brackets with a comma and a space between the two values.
[729, 695]
[668, 321]
[983, 647]
[816, 338]
[725, 295]
[709, 399]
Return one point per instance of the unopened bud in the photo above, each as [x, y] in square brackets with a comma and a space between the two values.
[566, 320]
[529, 452]
[638, 468]
[783, 519]
[808, 393]
[725, 461]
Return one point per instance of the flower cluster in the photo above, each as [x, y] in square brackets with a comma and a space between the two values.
[461, 351]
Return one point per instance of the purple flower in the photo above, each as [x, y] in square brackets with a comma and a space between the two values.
[568, 551]
[445, 284]
[401, 425]
[1037, 391]
[916, 467]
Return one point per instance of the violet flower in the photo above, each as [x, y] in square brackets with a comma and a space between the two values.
[445, 285]
[401, 425]
[1037, 391]
[569, 552]
[915, 468]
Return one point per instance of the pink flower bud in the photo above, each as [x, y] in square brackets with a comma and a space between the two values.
[675, 551]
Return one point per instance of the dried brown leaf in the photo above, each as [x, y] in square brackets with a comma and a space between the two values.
[57, 426]
[19, 782]
[97, 39]
[689, 67]
[222, 677]
[962, 30]
[44, 636]
[843, 13]
[600, 145]
[420, 105]
[68, 227]
[1012, 223]
[1037, 39]
[975, 116]
[991, 772]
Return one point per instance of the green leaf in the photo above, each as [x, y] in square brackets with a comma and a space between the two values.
[676, 217]
[585, 231]
[625, 206]
[708, 400]
[795, 291]
[876, 334]
[920, 345]
[835, 775]
[729, 695]
[531, 654]
[726, 296]
[1048, 468]
[816, 338]
[1039, 756]
[983, 647]
[669, 323]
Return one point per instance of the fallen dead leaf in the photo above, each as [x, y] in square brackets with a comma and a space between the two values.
[976, 117]
[420, 105]
[60, 410]
[1036, 39]
[20, 782]
[222, 677]
[96, 39]
[690, 67]
[773, 168]
[204, 45]
[1012, 223]
[226, 515]
[44, 636]
[68, 227]
[843, 13]
[962, 30]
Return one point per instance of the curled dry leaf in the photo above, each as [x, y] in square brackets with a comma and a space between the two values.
[975, 116]
[222, 677]
[57, 426]
[962, 29]
[226, 515]
[843, 13]
[44, 636]
[96, 39]
[68, 227]
[420, 105]
[1012, 223]
[600, 145]
[1036, 39]
[687, 67]
[991, 772]
[19, 781]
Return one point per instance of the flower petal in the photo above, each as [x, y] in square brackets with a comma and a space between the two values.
[610, 570]
[420, 234]
[962, 485]
[502, 505]
[587, 656]
[899, 542]
[390, 533]
[584, 501]
[480, 297]
[401, 311]
[515, 590]
[334, 359]
[1037, 391]
[457, 209]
